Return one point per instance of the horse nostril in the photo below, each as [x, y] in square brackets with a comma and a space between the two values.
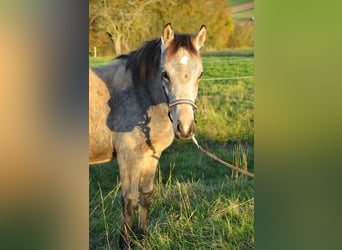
[193, 127]
[179, 127]
[187, 132]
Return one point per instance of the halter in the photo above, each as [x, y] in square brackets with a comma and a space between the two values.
[182, 101]
[177, 102]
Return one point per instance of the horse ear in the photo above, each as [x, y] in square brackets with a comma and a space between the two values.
[167, 35]
[200, 37]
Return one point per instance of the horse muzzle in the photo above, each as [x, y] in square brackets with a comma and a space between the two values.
[184, 127]
[184, 132]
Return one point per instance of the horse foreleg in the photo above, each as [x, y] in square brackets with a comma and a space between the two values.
[129, 176]
[146, 185]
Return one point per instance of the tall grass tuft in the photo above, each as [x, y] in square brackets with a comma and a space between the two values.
[103, 209]
[240, 155]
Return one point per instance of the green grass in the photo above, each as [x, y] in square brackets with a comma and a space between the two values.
[226, 107]
[198, 203]
[234, 3]
[243, 15]
[97, 61]
[238, 52]
[187, 212]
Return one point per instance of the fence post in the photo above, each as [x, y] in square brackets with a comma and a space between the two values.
[94, 51]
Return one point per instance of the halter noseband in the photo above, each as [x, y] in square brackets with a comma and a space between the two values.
[182, 101]
[177, 102]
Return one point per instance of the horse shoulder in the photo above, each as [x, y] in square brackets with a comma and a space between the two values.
[162, 133]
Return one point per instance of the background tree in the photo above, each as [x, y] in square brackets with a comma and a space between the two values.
[119, 26]
[114, 20]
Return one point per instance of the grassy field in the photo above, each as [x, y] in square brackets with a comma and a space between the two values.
[234, 3]
[242, 15]
[198, 203]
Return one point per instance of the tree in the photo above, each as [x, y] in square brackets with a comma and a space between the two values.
[188, 16]
[126, 24]
[116, 19]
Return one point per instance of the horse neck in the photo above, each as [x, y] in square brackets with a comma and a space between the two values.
[152, 91]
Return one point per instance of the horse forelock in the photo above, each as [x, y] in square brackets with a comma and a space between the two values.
[144, 62]
[182, 41]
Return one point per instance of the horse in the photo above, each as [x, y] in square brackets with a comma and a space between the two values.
[138, 104]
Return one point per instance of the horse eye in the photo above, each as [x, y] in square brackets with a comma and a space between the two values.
[165, 76]
[200, 75]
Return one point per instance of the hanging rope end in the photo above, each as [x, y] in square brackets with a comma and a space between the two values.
[195, 141]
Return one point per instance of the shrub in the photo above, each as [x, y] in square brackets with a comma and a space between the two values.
[243, 35]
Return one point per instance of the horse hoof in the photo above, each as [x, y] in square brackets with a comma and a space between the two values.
[124, 243]
[140, 233]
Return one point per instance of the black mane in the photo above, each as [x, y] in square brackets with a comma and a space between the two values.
[144, 62]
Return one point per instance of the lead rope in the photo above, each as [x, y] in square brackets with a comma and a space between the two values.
[214, 157]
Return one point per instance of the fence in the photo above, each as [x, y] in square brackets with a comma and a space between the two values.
[211, 67]
[212, 64]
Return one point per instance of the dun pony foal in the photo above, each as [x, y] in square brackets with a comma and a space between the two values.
[137, 105]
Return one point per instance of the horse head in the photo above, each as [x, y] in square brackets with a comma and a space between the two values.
[181, 70]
